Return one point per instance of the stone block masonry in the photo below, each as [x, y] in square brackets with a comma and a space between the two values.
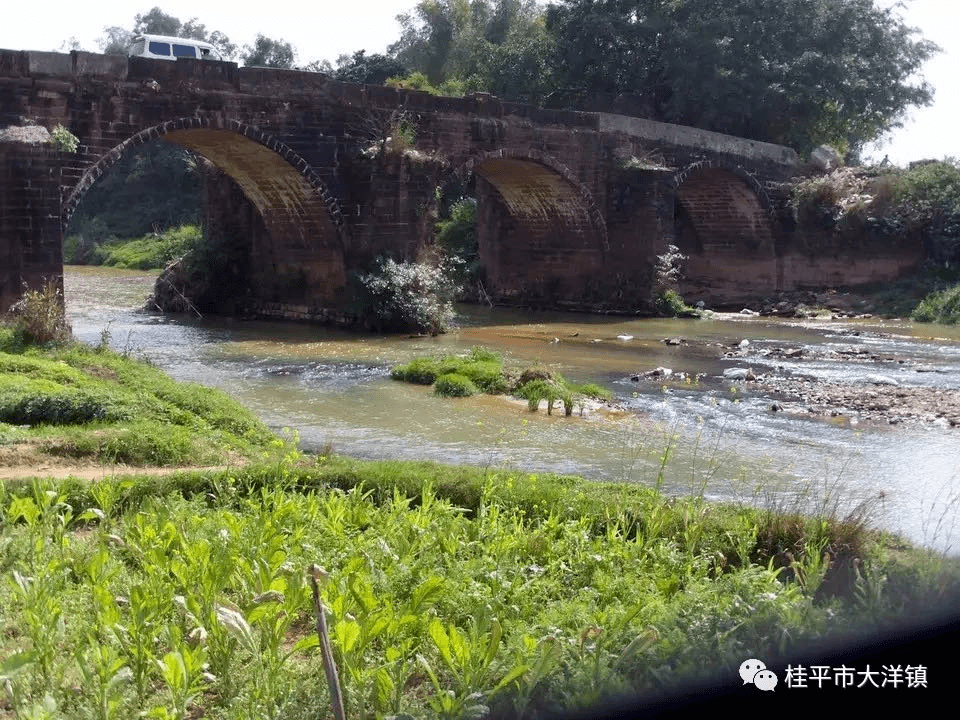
[573, 207]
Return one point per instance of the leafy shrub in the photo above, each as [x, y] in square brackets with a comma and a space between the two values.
[454, 385]
[671, 304]
[939, 307]
[150, 252]
[409, 297]
[666, 274]
[38, 317]
[64, 140]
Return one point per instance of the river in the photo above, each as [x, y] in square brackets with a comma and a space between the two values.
[333, 389]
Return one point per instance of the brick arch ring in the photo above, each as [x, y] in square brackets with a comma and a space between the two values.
[732, 168]
[248, 131]
[465, 169]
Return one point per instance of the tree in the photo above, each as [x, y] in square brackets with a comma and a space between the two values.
[368, 69]
[797, 72]
[156, 22]
[267, 52]
[498, 46]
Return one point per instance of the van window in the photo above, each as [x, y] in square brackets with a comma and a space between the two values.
[137, 48]
[159, 48]
[184, 51]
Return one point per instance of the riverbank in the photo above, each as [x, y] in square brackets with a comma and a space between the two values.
[451, 590]
[74, 405]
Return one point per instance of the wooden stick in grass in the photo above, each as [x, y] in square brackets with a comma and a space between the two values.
[329, 666]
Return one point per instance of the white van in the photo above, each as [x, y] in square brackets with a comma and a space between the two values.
[162, 47]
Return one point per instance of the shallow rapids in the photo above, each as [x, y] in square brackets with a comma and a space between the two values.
[727, 438]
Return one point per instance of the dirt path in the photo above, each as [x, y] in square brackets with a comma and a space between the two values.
[22, 461]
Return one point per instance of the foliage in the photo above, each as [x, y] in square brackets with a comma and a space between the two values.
[152, 187]
[119, 410]
[485, 371]
[416, 80]
[39, 316]
[454, 385]
[156, 22]
[450, 592]
[671, 304]
[926, 201]
[408, 296]
[939, 307]
[787, 71]
[482, 367]
[64, 140]
[666, 274]
[366, 69]
[919, 206]
[496, 46]
[267, 52]
[541, 389]
[457, 235]
[420, 371]
[152, 251]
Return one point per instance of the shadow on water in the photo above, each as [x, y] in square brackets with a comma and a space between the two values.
[333, 387]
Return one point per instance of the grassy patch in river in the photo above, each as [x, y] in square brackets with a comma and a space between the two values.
[451, 591]
[482, 370]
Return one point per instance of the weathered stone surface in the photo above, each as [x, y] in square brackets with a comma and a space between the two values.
[573, 207]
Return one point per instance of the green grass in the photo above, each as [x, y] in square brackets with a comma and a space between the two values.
[452, 591]
[454, 385]
[84, 402]
[485, 370]
[149, 252]
[939, 307]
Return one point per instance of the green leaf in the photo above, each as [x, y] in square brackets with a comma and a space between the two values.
[345, 634]
[15, 663]
[440, 638]
[425, 593]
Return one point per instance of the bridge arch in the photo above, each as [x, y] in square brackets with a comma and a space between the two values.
[305, 243]
[724, 224]
[720, 207]
[540, 232]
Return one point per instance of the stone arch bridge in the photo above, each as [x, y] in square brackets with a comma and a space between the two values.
[320, 177]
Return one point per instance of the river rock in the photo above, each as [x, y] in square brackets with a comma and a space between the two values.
[739, 374]
[659, 372]
[881, 380]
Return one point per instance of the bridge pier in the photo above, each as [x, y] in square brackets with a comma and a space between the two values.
[31, 236]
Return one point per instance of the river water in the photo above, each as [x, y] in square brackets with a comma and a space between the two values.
[333, 388]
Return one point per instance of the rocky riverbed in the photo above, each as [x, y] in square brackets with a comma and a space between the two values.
[856, 382]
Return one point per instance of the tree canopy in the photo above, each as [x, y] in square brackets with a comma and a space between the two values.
[266, 52]
[497, 46]
[797, 72]
[156, 22]
[373, 69]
